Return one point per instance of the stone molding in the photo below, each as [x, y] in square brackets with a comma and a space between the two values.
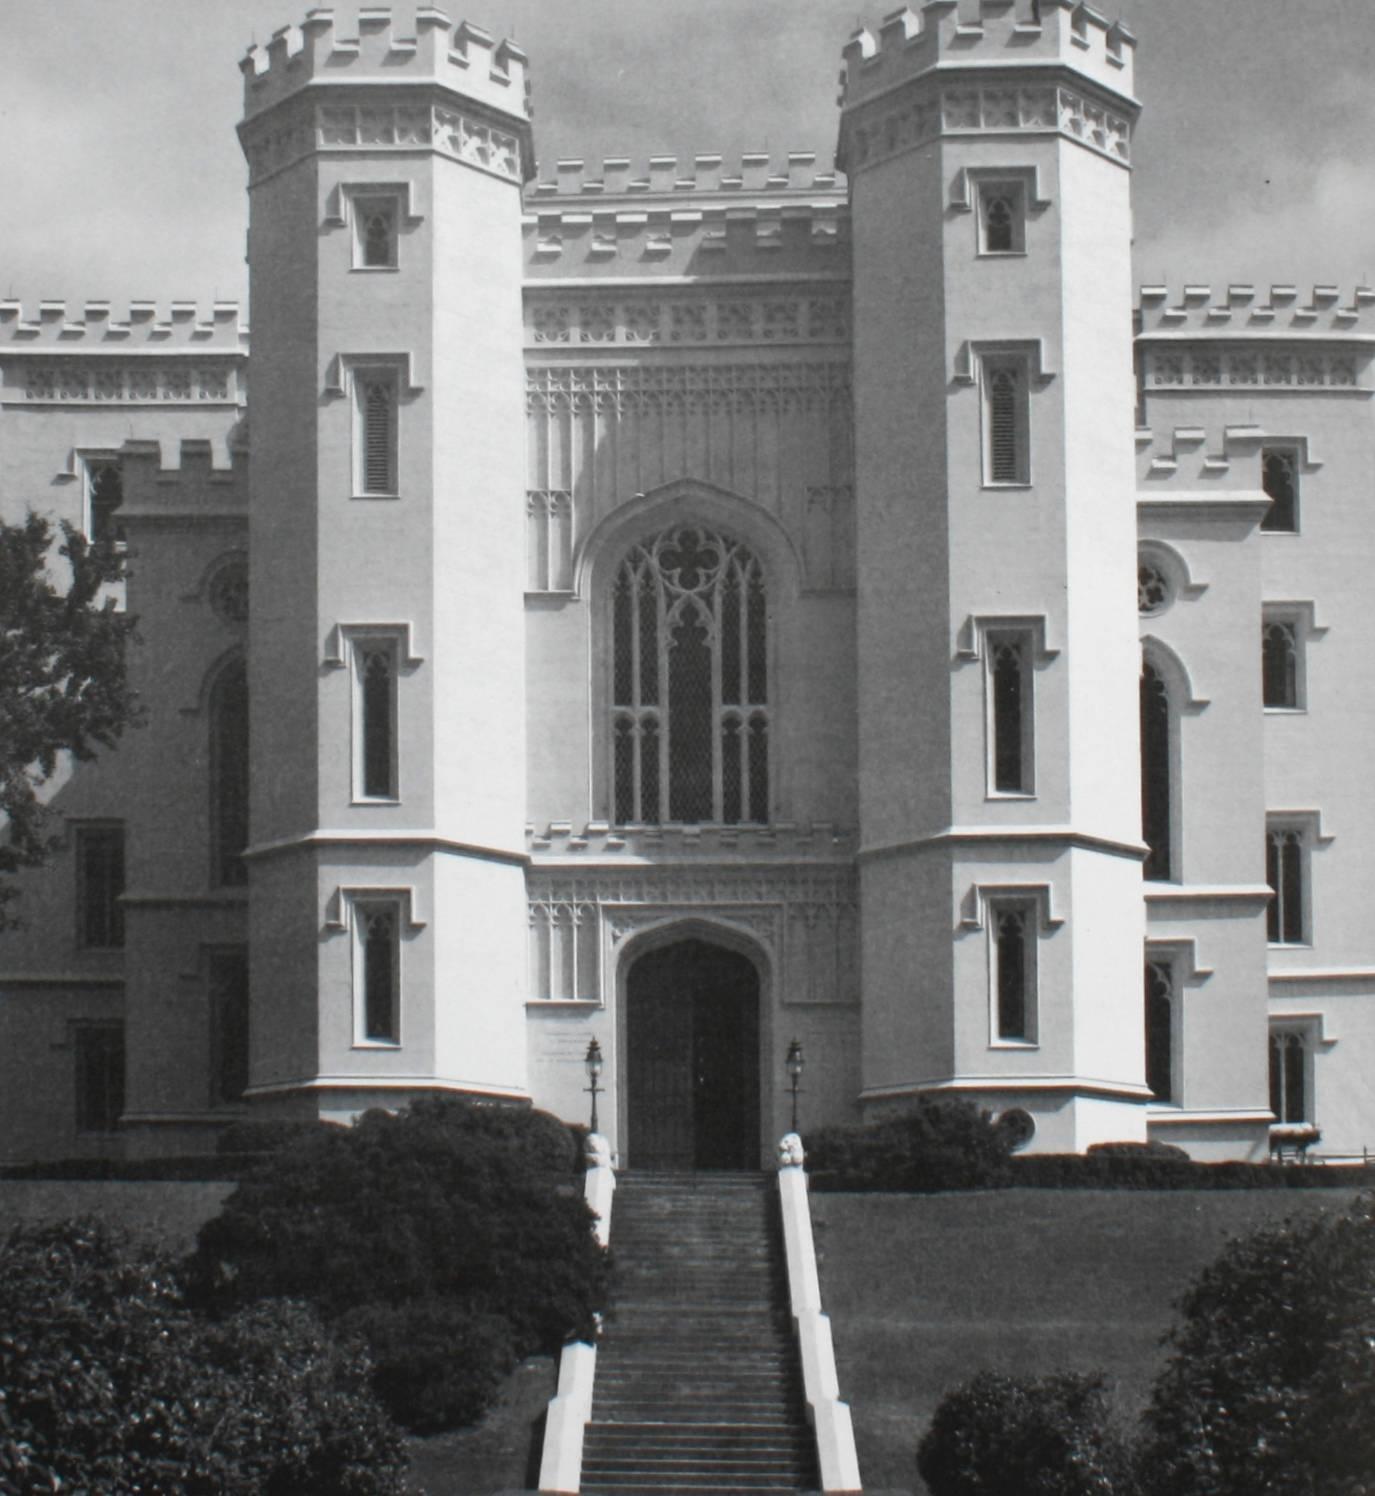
[780, 317]
[737, 389]
[890, 127]
[99, 380]
[381, 127]
[1275, 366]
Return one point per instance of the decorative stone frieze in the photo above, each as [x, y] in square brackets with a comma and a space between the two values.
[909, 121]
[1276, 366]
[816, 318]
[804, 919]
[98, 381]
[386, 126]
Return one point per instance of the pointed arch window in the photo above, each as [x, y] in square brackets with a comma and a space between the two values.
[1160, 1030]
[1156, 776]
[228, 716]
[689, 691]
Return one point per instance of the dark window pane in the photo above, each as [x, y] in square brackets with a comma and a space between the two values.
[1009, 770]
[759, 769]
[229, 1018]
[229, 775]
[1155, 775]
[100, 886]
[1279, 665]
[1159, 1033]
[732, 777]
[378, 724]
[99, 1056]
[690, 722]
[379, 975]
[1010, 928]
[1280, 479]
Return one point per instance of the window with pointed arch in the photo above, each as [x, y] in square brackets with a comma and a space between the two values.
[1289, 1090]
[1160, 1030]
[689, 688]
[228, 717]
[1157, 789]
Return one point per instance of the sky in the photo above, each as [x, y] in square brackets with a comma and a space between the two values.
[121, 176]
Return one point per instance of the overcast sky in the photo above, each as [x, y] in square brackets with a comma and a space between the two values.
[120, 174]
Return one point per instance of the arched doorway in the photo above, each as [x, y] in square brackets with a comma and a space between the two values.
[692, 1042]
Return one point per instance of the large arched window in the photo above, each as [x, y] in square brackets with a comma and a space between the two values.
[229, 775]
[689, 691]
[1155, 775]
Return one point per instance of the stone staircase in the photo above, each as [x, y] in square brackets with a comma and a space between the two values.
[698, 1389]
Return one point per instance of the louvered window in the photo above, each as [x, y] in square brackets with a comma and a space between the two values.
[377, 431]
[1005, 421]
[689, 713]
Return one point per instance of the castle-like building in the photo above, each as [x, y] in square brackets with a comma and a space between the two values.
[692, 609]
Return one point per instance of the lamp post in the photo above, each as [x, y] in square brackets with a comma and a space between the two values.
[795, 1063]
[593, 1064]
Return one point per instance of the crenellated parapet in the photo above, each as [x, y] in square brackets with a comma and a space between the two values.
[185, 476]
[1243, 339]
[710, 216]
[1000, 66]
[452, 88]
[185, 356]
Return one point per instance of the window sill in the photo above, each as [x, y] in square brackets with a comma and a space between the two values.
[1289, 945]
[565, 1004]
[375, 800]
[374, 269]
[1014, 1044]
[989, 483]
[1001, 254]
[1010, 795]
[388, 1044]
[384, 496]
[1281, 534]
[1285, 711]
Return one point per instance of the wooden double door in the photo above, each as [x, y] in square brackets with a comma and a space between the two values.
[692, 1032]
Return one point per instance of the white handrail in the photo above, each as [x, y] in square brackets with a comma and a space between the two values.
[571, 1406]
[831, 1425]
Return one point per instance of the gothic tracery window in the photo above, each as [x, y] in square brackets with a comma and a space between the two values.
[689, 708]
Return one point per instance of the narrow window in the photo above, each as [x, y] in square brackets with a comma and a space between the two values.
[375, 719]
[105, 495]
[377, 431]
[99, 1055]
[99, 887]
[1160, 1030]
[1013, 930]
[375, 224]
[377, 972]
[1156, 789]
[689, 682]
[1279, 477]
[1279, 673]
[1006, 421]
[1284, 872]
[228, 716]
[1002, 218]
[228, 1026]
[1010, 713]
[1289, 1076]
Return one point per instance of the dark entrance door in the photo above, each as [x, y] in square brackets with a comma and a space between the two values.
[693, 1076]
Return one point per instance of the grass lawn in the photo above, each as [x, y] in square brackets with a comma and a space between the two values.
[925, 1290]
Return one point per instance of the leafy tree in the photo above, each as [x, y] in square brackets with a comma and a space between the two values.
[109, 1382]
[63, 677]
[1022, 1436]
[1269, 1389]
[453, 1238]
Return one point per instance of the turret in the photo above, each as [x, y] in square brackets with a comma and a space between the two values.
[987, 153]
[387, 543]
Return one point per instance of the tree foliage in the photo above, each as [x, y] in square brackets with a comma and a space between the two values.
[64, 683]
[939, 1143]
[1269, 1388]
[1019, 1436]
[110, 1382]
[475, 1211]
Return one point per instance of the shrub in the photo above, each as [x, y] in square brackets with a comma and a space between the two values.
[475, 1207]
[437, 1363]
[942, 1142]
[1153, 1148]
[266, 1135]
[1011, 1436]
[1272, 1377]
[108, 1382]
[1153, 1170]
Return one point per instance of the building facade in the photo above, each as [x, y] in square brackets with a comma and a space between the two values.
[691, 608]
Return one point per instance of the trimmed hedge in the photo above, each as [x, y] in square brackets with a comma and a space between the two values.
[940, 1143]
[474, 1212]
[1098, 1171]
[108, 1382]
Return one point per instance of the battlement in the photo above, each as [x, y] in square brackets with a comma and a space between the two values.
[142, 328]
[463, 58]
[756, 172]
[1241, 310]
[978, 34]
